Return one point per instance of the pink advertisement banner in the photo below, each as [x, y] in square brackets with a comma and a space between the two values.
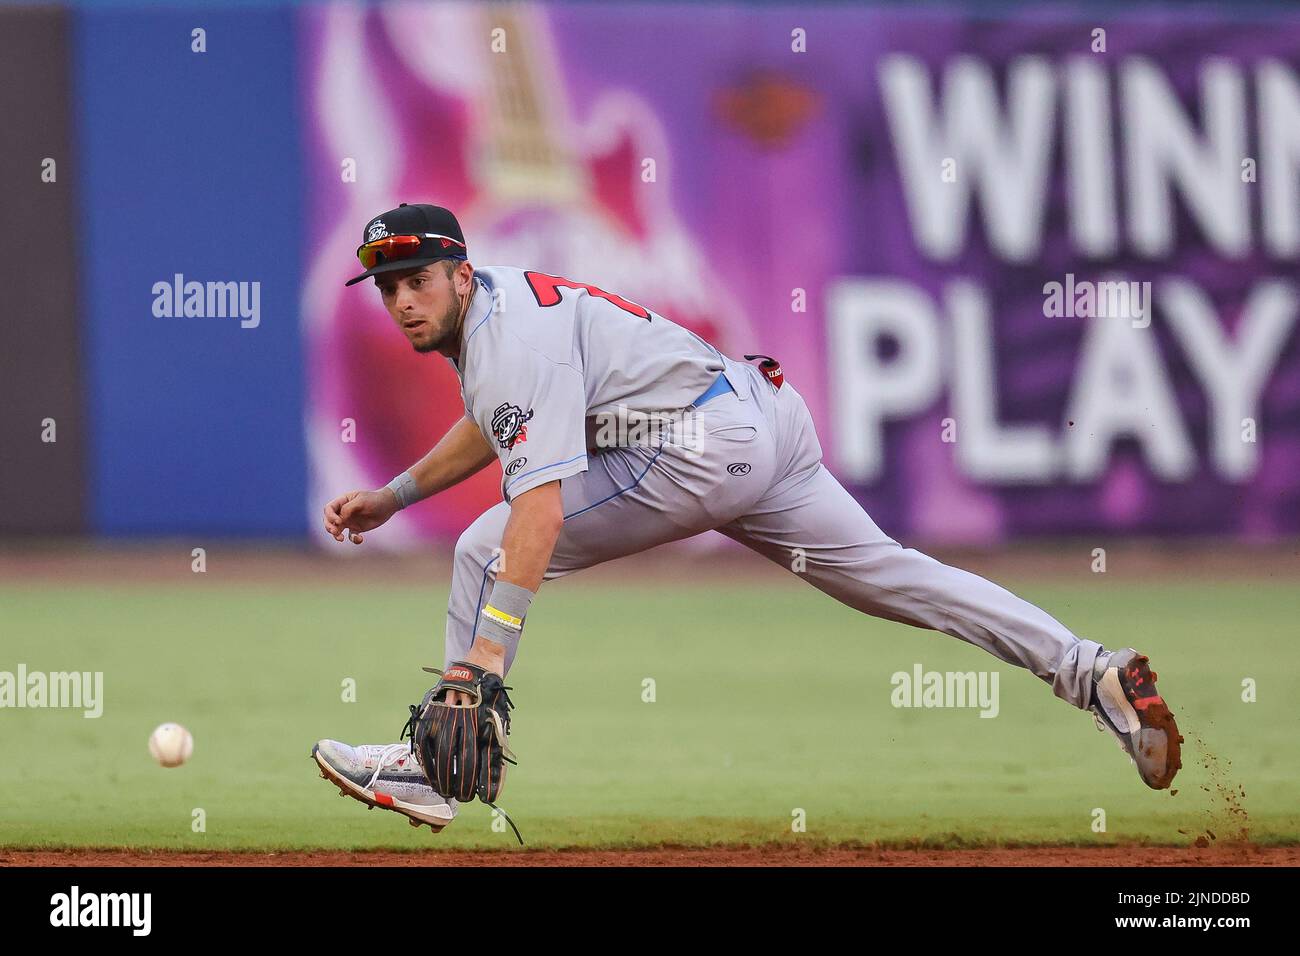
[1034, 275]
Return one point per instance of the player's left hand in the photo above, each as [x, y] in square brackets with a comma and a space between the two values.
[487, 655]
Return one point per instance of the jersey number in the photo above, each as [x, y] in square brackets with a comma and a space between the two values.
[546, 290]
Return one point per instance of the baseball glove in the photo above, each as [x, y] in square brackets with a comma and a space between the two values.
[463, 748]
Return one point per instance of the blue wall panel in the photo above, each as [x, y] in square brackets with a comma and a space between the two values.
[190, 165]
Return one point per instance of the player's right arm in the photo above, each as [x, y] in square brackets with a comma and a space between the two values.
[462, 452]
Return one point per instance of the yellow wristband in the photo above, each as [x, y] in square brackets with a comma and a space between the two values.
[502, 618]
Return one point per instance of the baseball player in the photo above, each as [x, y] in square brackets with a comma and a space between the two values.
[616, 431]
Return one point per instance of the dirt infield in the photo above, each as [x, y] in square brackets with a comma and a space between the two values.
[1071, 856]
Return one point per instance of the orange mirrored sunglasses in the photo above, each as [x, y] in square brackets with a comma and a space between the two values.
[394, 248]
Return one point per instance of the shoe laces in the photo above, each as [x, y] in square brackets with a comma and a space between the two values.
[388, 757]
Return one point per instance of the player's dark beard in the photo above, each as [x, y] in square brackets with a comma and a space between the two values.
[449, 327]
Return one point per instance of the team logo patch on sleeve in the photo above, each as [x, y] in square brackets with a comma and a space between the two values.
[510, 425]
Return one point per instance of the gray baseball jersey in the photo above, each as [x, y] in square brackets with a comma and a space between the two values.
[543, 359]
[552, 354]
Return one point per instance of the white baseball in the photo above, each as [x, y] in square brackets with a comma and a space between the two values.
[171, 745]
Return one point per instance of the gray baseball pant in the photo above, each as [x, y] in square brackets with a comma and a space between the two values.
[786, 506]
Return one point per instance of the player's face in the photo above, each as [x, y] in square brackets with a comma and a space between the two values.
[424, 304]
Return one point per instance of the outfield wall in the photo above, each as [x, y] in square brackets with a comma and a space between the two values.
[1033, 278]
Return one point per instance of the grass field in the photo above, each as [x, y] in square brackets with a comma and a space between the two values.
[768, 698]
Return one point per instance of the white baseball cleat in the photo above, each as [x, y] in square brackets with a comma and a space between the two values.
[387, 776]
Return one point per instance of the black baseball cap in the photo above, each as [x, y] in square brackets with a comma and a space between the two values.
[436, 228]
